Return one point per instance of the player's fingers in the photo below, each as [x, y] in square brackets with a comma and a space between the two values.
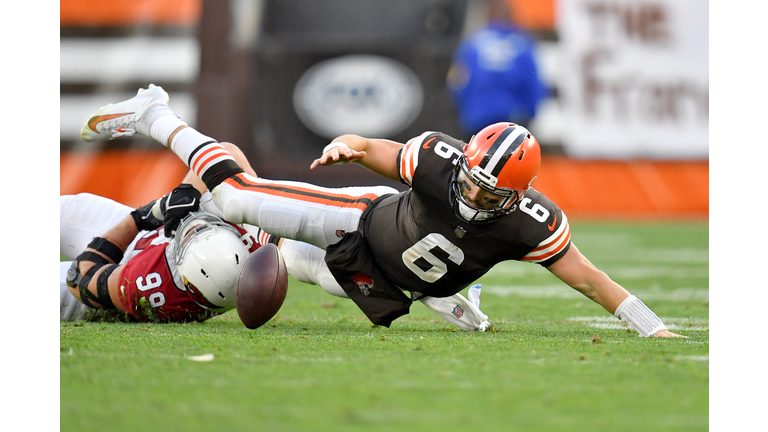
[353, 155]
[322, 160]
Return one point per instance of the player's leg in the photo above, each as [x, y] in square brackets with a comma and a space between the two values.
[306, 263]
[292, 210]
[148, 114]
[83, 217]
[295, 210]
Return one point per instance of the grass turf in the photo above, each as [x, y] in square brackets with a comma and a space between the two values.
[556, 361]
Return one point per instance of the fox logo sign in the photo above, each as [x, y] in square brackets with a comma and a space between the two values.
[365, 283]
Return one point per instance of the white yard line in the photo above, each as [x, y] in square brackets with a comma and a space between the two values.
[672, 323]
[562, 291]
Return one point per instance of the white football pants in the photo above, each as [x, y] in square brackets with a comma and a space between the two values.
[83, 217]
[295, 210]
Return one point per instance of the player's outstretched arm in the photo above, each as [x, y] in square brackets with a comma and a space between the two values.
[580, 274]
[378, 155]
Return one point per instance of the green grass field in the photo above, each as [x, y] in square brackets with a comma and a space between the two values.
[555, 362]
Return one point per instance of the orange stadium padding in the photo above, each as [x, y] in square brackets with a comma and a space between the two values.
[533, 14]
[584, 189]
[99, 13]
[529, 14]
[131, 177]
[644, 189]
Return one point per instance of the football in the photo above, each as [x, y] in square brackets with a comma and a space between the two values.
[261, 287]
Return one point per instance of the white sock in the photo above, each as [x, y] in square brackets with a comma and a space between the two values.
[163, 126]
[199, 152]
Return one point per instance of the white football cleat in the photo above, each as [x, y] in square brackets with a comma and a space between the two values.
[127, 117]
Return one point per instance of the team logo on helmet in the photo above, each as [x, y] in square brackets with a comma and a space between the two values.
[198, 297]
[365, 283]
[458, 312]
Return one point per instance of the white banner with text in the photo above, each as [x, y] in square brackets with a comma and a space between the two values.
[635, 78]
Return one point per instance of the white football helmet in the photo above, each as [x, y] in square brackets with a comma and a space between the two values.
[209, 254]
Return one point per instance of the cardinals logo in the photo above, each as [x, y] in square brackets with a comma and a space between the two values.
[458, 312]
[365, 283]
[198, 297]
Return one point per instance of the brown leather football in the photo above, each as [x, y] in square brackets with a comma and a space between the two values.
[261, 287]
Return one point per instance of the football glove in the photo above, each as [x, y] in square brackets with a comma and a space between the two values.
[173, 207]
[144, 218]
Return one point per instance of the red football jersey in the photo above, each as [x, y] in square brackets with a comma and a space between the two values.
[151, 288]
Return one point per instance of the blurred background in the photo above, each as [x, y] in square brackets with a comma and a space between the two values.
[622, 115]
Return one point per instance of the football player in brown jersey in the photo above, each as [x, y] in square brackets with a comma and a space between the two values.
[468, 207]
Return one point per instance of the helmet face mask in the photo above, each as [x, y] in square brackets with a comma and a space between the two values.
[209, 255]
[475, 200]
[497, 167]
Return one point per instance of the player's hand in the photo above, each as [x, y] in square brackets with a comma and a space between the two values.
[337, 155]
[182, 201]
[144, 218]
[668, 334]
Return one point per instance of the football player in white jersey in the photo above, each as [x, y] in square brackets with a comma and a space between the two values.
[469, 206]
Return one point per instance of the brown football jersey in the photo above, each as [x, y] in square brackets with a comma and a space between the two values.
[423, 246]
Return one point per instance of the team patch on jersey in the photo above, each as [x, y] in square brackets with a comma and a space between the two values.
[460, 231]
[365, 283]
[458, 312]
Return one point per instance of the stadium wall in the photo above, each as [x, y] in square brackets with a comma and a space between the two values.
[633, 188]
[585, 189]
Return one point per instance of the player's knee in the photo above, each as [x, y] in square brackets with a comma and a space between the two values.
[230, 204]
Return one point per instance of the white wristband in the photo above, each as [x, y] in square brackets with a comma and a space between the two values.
[334, 145]
[635, 313]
